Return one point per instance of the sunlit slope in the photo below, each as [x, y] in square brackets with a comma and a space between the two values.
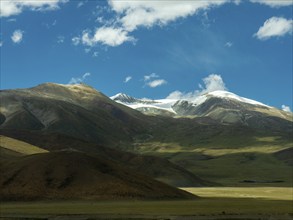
[76, 110]
[18, 146]
[268, 193]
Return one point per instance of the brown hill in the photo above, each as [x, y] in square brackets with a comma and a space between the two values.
[158, 168]
[75, 110]
[75, 175]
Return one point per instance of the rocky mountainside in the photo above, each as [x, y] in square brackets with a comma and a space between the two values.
[82, 112]
[75, 110]
[222, 106]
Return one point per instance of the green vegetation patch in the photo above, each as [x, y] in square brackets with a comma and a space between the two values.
[19, 146]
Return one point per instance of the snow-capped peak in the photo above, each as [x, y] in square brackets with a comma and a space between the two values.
[126, 99]
[181, 106]
[120, 95]
[230, 95]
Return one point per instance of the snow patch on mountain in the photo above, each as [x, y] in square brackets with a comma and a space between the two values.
[229, 95]
[168, 104]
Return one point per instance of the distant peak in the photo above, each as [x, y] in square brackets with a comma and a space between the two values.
[123, 98]
[120, 95]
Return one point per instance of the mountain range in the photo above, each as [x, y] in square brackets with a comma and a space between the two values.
[223, 106]
[218, 138]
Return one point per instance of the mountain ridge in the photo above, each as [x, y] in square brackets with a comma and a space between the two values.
[230, 103]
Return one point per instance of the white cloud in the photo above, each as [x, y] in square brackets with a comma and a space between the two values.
[81, 3]
[205, 20]
[1, 43]
[75, 41]
[228, 44]
[60, 39]
[274, 3]
[148, 77]
[178, 95]
[95, 54]
[17, 36]
[274, 27]
[286, 108]
[127, 79]
[150, 13]
[100, 20]
[13, 7]
[77, 80]
[213, 82]
[156, 83]
[131, 15]
[107, 36]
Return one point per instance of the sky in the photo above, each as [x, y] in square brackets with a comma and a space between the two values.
[151, 49]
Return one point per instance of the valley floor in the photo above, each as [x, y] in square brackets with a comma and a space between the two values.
[215, 203]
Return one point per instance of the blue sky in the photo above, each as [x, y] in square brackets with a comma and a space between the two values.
[151, 49]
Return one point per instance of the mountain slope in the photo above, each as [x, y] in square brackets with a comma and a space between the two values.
[75, 175]
[76, 110]
[223, 106]
[223, 130]
[158, 168]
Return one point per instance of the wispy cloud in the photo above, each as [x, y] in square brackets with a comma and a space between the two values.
[205, 20]
[95, 54]
[76, 80]
[10, 7]
[17, 36]
[51, 24]
[60, 39]
[156, 83]
[127, 79]
[75, 41]
[11, 20]
[286, 108]
[228, 44]
[81, 3]
[213, 82]
[148, 77]
[274, 27]
[274, 3]
[1, 43]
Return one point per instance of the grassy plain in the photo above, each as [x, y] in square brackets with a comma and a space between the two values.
[267, 193]
[260, 201]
